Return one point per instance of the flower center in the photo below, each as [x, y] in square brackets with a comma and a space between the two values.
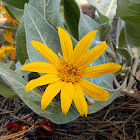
[69, 72]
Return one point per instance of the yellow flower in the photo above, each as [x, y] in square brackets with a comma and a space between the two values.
[65, 75]
[2, 52]
[8, 49]
[8, 37]
[9, 18]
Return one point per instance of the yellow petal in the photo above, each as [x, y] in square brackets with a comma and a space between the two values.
[66, 97]
[95, 71]
[11, 45]
[41, 67]
[92, 55]
[82, 47]
[10, 49]
[2, 49]
[43, 80]
[93, 90]
[15, 22]
[9, 18]
[51, 91]
[3, 9]
[13, 55]
[79, 100]
[8, 37]
[66, 44]
[46, 52]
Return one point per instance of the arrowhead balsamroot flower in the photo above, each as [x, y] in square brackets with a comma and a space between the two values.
[8, 49]
[65, 75]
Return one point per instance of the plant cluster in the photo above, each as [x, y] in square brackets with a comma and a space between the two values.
[57, 38]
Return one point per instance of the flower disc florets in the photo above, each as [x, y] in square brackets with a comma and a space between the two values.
[69, 72]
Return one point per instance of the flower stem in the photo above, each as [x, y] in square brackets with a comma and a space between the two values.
[125, 80]
[116, 82]
[134, 68]
[9, 28]
[110, 43]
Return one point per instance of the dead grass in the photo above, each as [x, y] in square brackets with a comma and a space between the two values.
[120, 121]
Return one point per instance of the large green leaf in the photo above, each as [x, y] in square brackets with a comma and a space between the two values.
[129, 11]
[72, 15]
[52, 13]
[21, 49]
[105, 7]
[40, 5]
[17, 13]
[49, 10]
[33, 98]
[6, 91]
[86, 24]
[78, 24]
[16, 3]
[20, 44]
[37, 28]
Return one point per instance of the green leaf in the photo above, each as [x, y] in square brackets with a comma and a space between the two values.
[126, 55]
[129, 11]
[120, 25]
[106, 8]
[78, 24]
[49, 10]
[52, 13]
[17, 13]
[33, 98]
[40, 5]
[72, 15]
[86, 24]
[37, 28]
[61, 14]
[6, 91]
[18, 68]
[9, 28]
[132, 30]
[105, 26]
[20, 44]
[122, 39]
[16, 3]
[107, 85]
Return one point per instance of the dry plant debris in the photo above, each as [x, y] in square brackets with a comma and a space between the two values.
[120, 120]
